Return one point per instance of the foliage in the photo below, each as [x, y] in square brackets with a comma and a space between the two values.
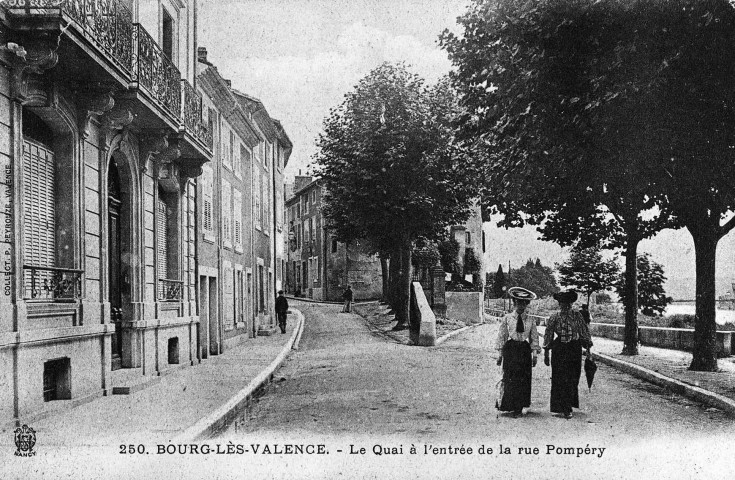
[388, 163]
[535, 277]
[425, 255]
[587, 272]
[593, 112]
[449, 252]
[652, 299]
[603, 298]
[472, 262]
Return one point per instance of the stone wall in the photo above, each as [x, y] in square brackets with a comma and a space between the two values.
[465, 306]
[674, 338]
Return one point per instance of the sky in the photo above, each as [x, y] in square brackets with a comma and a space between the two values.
[301, 56]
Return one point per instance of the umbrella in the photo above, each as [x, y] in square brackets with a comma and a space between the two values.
[590, 367]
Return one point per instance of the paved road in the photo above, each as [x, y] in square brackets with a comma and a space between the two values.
[348, 389]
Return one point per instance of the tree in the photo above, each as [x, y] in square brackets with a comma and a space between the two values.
[449, 253]
[622, 108]
[499, 283]
[391, 171]
[586, 271]
[652, 297]
[536, 277]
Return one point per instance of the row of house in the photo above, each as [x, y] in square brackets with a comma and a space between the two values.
[320, 267]
[142, 201]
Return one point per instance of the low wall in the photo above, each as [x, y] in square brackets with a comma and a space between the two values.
[675, 338]
[465, 306]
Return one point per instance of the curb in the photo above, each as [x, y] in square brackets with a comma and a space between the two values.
[215, 421]
[690, 391]
[451, 334]
[325, 302]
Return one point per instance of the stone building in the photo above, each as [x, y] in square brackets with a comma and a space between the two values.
[470, 236]
[239, 262]
[101, 138]
[319, 266]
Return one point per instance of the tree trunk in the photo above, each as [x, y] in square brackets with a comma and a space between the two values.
[630, 297]
[385, 279]
[394, 266]
[704, 355]
[403, 290]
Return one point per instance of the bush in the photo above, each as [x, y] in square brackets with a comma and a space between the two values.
[680, 321]
[603, 298]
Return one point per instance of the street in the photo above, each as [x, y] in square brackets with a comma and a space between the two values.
[348, 390]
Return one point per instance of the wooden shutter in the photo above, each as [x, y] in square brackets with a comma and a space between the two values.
[39, 210]
[162, 238]
[207, 188]
[238, 218]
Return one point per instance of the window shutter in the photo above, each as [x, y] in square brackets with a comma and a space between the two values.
[238, 218]
[39, 205]
[207, 187]
[162, 239]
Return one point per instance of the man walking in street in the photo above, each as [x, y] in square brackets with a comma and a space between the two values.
[347, 297]
[281, 310]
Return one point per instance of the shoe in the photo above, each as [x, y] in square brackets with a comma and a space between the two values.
[517, 413]
[568, 415]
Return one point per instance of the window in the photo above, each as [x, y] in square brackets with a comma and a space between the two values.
[39, 205]
[226, 149]
[266, 203]
[239, 156]
[233, 152]
[168, 35]
[467, 237]
[334, 246]
[313, 196]
[483, 241]
[305, 201]
[167, 238]
[226, 213]
[261, 289]
[238, 219]
[207, 182]
[258, 210]
[311, 229]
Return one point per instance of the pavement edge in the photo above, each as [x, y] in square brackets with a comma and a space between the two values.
[690, 391]
[215, 421]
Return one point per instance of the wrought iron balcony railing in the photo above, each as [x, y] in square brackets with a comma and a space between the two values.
[52, 284]
[106, 23]
[191, 106]
[170, 290]
[156, 73]
[109, 25]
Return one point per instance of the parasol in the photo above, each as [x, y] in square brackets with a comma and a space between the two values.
[590, 367]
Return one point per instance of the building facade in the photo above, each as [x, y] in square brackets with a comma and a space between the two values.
[101, 140]
[319, 266]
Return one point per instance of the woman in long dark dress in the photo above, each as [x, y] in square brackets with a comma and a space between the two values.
[518, 346]
[566, 335]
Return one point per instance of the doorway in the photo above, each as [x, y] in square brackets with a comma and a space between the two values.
[114, 204]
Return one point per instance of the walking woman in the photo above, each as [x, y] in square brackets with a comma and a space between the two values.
[518, 345]
[566, 334]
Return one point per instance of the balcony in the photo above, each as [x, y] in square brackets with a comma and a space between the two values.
[135, 60]
[170, 290]
[52, 284]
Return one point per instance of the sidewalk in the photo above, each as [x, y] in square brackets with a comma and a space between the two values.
[181, 406]
[670, 369]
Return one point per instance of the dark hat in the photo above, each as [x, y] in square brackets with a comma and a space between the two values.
[520, 293]
[567, 296]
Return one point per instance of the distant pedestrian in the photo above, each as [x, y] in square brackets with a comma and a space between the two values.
[585, 312]
[282, 310]
[518, 346]
[566, 335]
[347, 297]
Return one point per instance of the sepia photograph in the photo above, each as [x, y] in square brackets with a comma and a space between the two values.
[367, 239]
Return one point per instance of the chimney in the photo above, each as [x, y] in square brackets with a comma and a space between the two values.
[300, 182]
[202, 55]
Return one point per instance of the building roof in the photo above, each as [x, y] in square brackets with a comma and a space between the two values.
[297, 193]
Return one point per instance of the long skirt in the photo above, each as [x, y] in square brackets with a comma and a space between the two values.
[516, 391]
[566, 368]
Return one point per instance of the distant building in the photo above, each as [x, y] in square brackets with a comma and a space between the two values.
[319, 266]
[471, 237]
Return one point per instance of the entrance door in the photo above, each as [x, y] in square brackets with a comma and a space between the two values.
[114, 203]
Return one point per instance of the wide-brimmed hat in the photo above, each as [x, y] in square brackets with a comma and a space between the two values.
[520, 293]
[567, 296]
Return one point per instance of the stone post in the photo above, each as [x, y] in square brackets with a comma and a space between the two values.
[438, 297]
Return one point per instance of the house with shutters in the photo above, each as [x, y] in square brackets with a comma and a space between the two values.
[102, 139]
[239, 263]
[319, 266]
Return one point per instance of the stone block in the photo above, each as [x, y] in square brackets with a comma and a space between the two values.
[422, 318]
